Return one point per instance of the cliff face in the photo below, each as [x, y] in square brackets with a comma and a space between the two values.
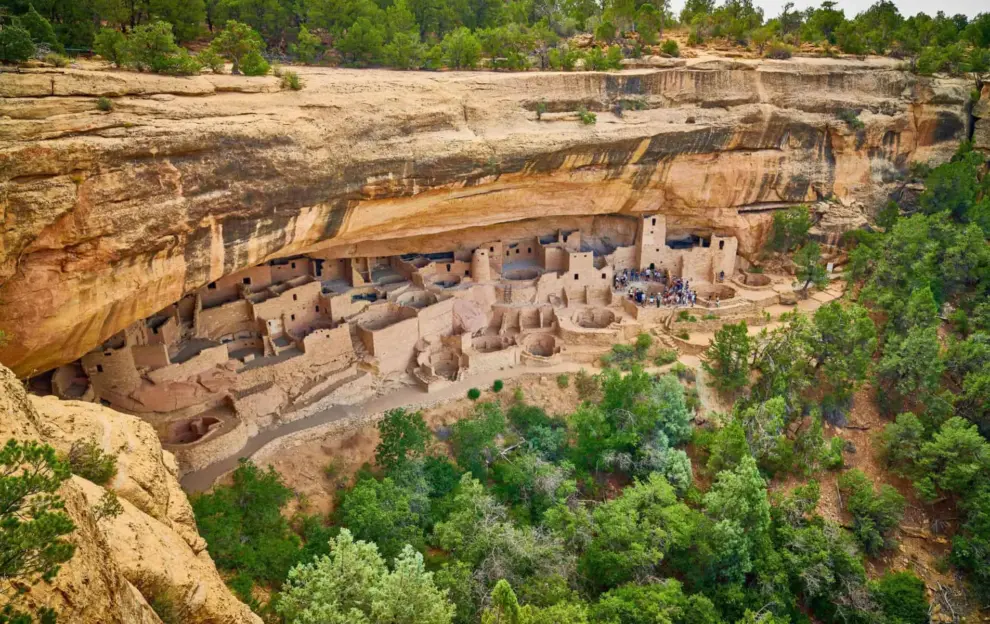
[151, 547]
[109, 217]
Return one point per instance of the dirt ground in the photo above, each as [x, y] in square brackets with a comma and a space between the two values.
[919, 548]
[304, 469]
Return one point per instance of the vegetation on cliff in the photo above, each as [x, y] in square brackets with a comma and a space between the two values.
[409, 34]
[602, 516]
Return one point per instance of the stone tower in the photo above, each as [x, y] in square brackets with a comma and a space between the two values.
[481, 270]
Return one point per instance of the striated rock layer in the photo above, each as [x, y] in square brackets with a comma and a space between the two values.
[109, 217]
[153, 546]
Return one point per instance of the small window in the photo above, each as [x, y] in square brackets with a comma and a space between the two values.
[603, 276]
[154, 330]
[467, 273]
[295, 297]
[654, 221]
[529, 250]
[293, 265]
[317, 308]
[293, 317]
[721, 244]
[575, 276]
[247, 280]
[212, 286]
[99, 368]
[491, 249]
[517, 252]
[565, 238]
[507, 252]
[448, 268]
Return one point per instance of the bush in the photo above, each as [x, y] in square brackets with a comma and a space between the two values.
[108, 507]
[587, 385]
[851, 117]
[474, 394]
[901, 596]
[563, 59]
[88, 460]
[684, 335]
[778, 50]
[243, 524]
[461, 49]
[563, 380]
[57, 60]
[832, 456]
[149, 45]
[211, 59]
[498, 385]
[15, 44]
[179, 64]
[518, 395]
[586, 117]
[307, 46]
[104, 104]
[403, 436]
[665, 356]
[111, 45]
[253, 64]
[236, 42]
[163, 601]
[670, 48]
[291, 80]
[875, 514]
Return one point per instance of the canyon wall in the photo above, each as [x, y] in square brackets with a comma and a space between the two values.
[109, 217]
[121, 563]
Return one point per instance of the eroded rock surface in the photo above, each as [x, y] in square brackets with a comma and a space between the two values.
[109, 217]
[152, 546]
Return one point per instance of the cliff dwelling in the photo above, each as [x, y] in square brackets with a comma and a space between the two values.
[285, 338]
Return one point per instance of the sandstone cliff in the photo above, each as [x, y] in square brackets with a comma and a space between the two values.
[152, 546]
[109, 217]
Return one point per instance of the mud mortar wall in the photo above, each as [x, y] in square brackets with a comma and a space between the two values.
[111, 217]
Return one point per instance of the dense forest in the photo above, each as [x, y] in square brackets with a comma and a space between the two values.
[626, 512]
[430, 34]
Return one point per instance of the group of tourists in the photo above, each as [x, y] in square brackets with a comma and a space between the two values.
[678, 291]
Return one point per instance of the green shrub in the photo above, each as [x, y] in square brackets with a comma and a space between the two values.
[104, 104]
[211, 59]
[670, 48]
[563, 59]
[851, 117]
[684, 335]
[111, 44]
[253, 64]
[778, 50]
[88, 460]
[474, 394]
[307, 47]
[665, 356]
[40, 28]
[709, 317]
[149, 45]
[15, 44]
[291, 80]
[56, 59]
[109, 506]
[901, 597]
[586, 117]
[243, 524]
[498, 385]
[587, 385]
[461, 49]
[518, 395]
[832, 456]
[563, 380]
[180, 63]
[236, 42]
[403, 436]
[875, 514]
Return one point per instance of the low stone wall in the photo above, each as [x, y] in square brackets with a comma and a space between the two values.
[225, 441]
